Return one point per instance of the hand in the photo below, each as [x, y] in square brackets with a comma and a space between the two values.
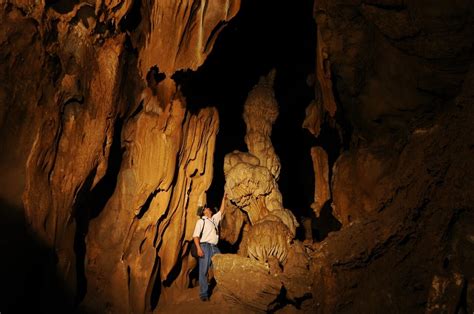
[200, 252]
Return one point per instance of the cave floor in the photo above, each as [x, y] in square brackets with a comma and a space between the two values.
[189, 302]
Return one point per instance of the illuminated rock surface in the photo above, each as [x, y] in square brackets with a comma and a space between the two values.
[107, 162]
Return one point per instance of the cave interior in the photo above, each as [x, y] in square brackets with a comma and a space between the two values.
[341, 133]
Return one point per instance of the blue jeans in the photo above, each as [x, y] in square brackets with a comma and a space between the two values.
[204, 265]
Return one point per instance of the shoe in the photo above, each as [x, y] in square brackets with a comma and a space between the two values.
[204, 299]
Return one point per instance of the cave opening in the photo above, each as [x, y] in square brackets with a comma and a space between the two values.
[266, 35]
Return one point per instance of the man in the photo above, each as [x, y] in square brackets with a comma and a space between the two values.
[206, 245]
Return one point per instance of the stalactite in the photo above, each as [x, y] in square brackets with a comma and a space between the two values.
[322, 192]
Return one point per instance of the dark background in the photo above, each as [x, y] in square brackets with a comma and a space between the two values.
[264, 35]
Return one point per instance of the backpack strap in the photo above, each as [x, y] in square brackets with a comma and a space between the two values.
[215, 227]
[202, 230]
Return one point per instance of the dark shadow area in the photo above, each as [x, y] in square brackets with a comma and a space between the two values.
[61, 6]
[101, 193]
[27, 269]
[325, 223]
[132, 19]
[156, 290]
[263, 35]
[90, 203]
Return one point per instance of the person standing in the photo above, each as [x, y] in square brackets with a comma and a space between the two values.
[206, 237]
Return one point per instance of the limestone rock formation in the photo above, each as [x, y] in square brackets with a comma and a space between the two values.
[322, 192]
[245, 281]
[101, 154]
[394, 60]
[362, 183]
[445, 293]
[155, 221]
[251, 178]
[260, 113]
[313, 117]
[180, 34]
[403, 77]
[269, 238]
[232, 224]
[295, 279]
[386, 245]
[251, 184]
[323, 74]
[111, 162]
[398, 234]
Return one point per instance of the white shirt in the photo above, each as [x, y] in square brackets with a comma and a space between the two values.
[209, 233]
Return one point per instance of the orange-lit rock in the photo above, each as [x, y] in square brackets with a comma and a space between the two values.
[361, 184]
[399, 241]
[115, 165]
[313, 117]
[260, 113]
[269, 238]
[109, 165]
[232, 224]
[251, 178]
[322, 192]
[155, 203]
[71, 132]
[247, 282]
[324, 76]
[180, 34]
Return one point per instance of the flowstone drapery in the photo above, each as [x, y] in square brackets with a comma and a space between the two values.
[115, 162]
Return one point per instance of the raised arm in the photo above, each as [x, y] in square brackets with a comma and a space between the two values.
[224, 198]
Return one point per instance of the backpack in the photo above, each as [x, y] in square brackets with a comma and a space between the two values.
[194, 252]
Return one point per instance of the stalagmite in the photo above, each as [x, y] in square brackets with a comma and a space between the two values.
[251, 184]
[260, 113]
[251, 178]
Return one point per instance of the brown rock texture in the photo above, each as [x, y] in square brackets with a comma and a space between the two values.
[402, 73]
[180, 34]
[111, 163]
[394, 60]
[402, 241]
[445, 293]
[313, 117]
[322, 193]
[155, 220]
[258, 275]
[260, 113]
[245, 281]
[361, 182]
[232, 224]
[269, 238]
[409, 231]
[101, 154]
[323, 75]
[251, 178]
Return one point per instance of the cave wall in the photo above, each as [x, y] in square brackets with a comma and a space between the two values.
[403, 79]
[100, 149]
[108, 165]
